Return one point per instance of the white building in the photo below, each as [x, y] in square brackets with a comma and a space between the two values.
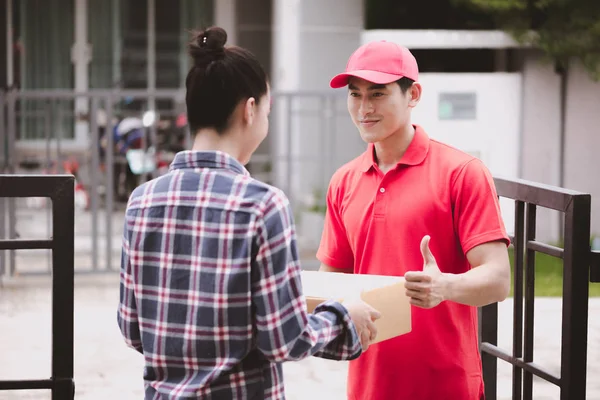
[509, 117]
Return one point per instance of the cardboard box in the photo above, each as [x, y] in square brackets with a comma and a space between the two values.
[384, 293]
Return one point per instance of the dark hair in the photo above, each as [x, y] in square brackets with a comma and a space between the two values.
[405, 84]
[220, 78]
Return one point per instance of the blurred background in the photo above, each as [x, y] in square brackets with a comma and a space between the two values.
[96, 88]
[526, 104]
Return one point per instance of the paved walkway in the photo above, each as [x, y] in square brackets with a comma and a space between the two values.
[106, 369]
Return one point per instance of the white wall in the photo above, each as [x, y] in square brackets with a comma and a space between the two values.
[541, 135]
[492, 133]
[582, 145]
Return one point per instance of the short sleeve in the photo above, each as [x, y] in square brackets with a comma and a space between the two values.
[477, 216]
[334, 249]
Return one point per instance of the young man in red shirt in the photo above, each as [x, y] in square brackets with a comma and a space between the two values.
[414, 207]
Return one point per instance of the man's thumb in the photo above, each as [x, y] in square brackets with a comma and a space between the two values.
[428, 257]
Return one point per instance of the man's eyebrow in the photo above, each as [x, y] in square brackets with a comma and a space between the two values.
[372, 87]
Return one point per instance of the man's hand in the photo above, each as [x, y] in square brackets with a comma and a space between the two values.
[363, 316]
[426, 288]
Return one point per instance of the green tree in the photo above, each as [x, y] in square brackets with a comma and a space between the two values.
[564, 30]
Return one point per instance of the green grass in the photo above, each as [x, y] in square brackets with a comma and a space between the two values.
[548, 276]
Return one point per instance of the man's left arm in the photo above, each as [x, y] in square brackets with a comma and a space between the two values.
[480, 229]
[488, 281]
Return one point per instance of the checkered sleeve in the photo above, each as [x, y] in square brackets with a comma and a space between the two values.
[285, 331]
[347, 345]
[127, 315]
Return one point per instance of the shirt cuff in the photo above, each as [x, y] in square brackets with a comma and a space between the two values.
[346, 346]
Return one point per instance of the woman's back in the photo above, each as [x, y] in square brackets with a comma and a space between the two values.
[192, 236]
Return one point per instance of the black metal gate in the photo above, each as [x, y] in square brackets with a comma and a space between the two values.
[580, 266]
[60, 190]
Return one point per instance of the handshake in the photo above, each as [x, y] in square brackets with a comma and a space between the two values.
[364, 316]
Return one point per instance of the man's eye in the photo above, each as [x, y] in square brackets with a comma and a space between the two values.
[353, 94]
[377, 94]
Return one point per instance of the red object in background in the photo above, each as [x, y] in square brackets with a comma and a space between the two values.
[82, 197]
[71, 167]
[181, 120]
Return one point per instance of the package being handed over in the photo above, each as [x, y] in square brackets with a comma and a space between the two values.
[384, 293]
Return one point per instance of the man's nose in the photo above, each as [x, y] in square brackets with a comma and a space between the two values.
[366, 107]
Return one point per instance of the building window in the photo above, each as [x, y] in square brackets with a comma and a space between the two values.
[457, 106]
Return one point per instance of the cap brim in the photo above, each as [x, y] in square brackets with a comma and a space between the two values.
[380, 78]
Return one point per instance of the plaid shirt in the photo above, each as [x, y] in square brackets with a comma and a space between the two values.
[210, 288]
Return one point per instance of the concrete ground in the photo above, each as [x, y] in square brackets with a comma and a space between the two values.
[106, 368]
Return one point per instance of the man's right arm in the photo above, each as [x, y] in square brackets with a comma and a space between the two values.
[335, 252]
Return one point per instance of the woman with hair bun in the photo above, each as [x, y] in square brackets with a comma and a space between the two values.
[210, 288]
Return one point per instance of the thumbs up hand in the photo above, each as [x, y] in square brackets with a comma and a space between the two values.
[426, 288]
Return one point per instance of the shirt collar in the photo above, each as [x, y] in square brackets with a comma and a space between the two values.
[414, 155]
[207, 159]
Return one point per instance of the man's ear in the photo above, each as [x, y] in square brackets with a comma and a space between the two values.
[249, 110]
[414, 94]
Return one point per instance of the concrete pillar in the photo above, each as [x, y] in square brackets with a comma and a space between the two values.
[9, 43]
[225, 17]
[151, 50]
[81, 57]
[116, 43]
[286, 45]
[312, 40]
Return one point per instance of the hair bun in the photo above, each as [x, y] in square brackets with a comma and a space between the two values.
[213, 38]
[208, 46]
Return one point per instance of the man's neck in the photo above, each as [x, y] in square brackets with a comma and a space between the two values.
[390, 151]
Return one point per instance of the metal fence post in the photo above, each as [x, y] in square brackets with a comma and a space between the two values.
[94, 178]
[10, 163]
[109, 170]
[51, 168]
[188, 137]
[3, 160]
[60, 188]
[63, 271]
[519, 255]
[488, 317]
[324, 134]
[58, 132]
[289, 148]
[528, 343]
[575, 298]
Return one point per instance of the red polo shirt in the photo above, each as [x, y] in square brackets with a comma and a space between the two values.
[375, 223]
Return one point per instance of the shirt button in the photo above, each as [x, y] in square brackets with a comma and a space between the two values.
[382, 190]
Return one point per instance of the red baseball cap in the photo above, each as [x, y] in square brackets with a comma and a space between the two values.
[379, 62]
